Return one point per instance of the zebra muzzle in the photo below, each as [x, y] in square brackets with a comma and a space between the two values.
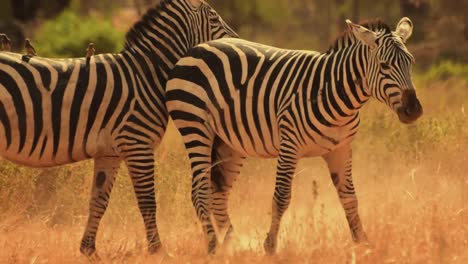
[411, 108]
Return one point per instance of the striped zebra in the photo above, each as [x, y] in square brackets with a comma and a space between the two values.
[232, 99]
[108, 107]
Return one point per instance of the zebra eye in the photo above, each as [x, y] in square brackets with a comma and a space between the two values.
[384, 66]
[214, 19]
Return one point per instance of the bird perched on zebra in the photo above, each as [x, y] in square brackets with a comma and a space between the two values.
[232, 99]
[59, 111]
[5, 42]
[90, 52]
[30, 51]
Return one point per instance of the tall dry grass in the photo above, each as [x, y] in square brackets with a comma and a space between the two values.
[411, 184]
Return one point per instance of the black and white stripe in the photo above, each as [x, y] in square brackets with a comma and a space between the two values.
[109, 108]
[232, 98]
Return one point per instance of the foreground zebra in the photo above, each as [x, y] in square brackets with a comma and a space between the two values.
[111, 108]
[232, 98]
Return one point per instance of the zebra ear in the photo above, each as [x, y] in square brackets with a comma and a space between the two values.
[404, 28]
[195, 3]
[366, 36]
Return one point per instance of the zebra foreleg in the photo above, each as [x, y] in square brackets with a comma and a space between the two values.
[226, 167]
[286, 166]
[340, 165]
[105, 170]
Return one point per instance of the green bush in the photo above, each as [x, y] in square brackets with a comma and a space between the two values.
[69, 34]
[446, 70]
[433, 133]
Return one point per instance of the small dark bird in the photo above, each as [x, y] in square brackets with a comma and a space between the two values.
[90, 50]
[6, 42]
[30, 51]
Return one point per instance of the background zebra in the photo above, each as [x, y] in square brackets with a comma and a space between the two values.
[58, 111]
[232, 98]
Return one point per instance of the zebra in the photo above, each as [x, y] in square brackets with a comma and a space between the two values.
[108, 107]
[231, 99]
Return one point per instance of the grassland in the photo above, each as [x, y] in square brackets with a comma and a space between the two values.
[411, 182]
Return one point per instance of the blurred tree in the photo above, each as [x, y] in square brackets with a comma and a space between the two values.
[356, 8]
[252, 17]
[28, 10]
[418, 11]
[465, 32]
[341, 9]
[142, 5]
[104, 7]
[9, 26]
[15, 13]
[6, 13]
[25, 10]
[458, 9]
[69, 34]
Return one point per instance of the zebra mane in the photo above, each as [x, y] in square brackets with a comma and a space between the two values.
[134, 33]
[347, 38]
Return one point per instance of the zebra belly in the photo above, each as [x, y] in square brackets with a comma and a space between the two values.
[257, 150]
[46, 154]
[332, 138]
[265, 147]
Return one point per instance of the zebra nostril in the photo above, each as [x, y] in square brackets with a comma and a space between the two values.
[408, 111]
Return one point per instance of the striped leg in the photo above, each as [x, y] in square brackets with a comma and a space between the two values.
[105, 170]
[140, 163]
[226, 166]
[199, 144]
[340, 165]
[287, 162]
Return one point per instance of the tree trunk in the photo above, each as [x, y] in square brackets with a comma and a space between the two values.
[8, 25]
[138, 8]
[465, 21]
[5, 11]
[340, 19]
[356, 17]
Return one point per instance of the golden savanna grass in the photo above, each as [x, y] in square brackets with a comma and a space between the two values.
[411, 183]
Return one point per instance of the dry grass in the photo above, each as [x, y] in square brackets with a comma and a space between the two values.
[411, 183]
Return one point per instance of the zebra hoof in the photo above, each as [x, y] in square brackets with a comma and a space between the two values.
[212, 247]
[155, 249]
[228, 245]
[91, 254]
[360, 238]
[88, 249]
[270, 245]
[158, 255]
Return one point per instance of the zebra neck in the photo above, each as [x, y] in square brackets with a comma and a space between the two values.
[162, 36]
[162, 53]
[154, 59]
[344, 86]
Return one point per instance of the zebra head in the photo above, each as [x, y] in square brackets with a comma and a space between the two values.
[389, 68]
[208, 25]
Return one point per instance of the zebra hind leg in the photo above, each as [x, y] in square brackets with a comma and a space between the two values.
[226, 167]
[140, 163]
[105, 170]
[340, 165]
[199, 143]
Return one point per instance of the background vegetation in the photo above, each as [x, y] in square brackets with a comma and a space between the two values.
[411, 180]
